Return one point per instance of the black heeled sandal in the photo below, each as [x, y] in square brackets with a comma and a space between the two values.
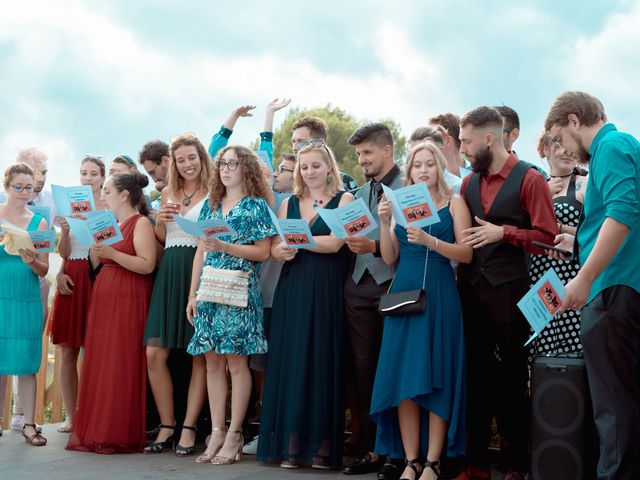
[433, 465]
[160, 447]
[186, 451]
[413, 465]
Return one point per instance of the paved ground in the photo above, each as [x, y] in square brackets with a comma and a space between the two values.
[20, 461]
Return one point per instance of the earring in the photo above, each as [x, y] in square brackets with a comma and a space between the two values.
[329, 179]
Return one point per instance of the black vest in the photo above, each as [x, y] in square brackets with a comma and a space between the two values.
[499, 262]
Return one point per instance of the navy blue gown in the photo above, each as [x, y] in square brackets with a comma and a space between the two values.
[422, 357]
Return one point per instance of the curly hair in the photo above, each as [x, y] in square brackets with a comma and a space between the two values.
[176, 182]
[254, 183]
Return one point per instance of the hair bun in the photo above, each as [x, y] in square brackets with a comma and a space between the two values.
[141, 179]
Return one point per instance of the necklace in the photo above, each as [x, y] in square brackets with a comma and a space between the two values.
[317, 203]
[186, 201]
[561, 176]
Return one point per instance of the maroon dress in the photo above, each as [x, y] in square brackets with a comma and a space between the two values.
[111, 404]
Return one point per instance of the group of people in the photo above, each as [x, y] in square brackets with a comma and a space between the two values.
[420, 386]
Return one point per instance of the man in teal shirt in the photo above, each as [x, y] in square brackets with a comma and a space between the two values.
[607, 288]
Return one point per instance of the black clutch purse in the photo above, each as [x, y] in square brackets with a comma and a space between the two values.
[403, 303]
[408, 302]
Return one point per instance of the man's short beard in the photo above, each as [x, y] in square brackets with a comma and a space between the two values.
[583, 155]
[482, 161]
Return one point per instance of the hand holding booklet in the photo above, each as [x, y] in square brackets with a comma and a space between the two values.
[351, 220]
[96, 227]
[294, 232]
[542, 301]
[212, 227]
[412, 206]
[15, 239]
[73, 200]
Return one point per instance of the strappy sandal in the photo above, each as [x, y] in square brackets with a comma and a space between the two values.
[160, 447]
[413, 465]
[235, 457]
[35, 440]
[186, 451]
[433, 466]
[205, 457]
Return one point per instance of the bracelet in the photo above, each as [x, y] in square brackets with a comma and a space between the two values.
[435, 247]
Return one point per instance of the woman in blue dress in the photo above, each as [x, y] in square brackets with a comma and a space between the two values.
[20, 303]
[227, 334]
[419, 391]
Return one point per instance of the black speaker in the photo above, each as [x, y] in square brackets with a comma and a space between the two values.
[563, 438]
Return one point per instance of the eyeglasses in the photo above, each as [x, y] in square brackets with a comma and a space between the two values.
[281, 169]
[19, 188]
[508, 130]
[231, 165]
[318, 142]
[91, 155]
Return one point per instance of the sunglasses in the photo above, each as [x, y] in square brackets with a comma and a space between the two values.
[91, 155]
[175, 138]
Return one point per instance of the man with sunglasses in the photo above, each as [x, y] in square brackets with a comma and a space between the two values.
[310, 130]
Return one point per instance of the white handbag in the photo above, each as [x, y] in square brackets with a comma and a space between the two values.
[229, 287]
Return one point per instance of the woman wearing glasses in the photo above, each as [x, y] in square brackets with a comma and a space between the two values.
[227, 334]
[302, 415]
[167, 326]
[20, 303]
[71, 301]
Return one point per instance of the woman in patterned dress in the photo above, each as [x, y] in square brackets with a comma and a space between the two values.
[71, 301]
[167, 326]
[225, 334]
[567, 183]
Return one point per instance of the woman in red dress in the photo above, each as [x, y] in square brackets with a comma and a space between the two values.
[111, 406]
[71, 302]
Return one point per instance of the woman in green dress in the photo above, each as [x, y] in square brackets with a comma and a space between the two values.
[20, 302]
[167, 326]
[224, 333]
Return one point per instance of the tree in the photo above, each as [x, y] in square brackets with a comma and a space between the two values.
[341, 125]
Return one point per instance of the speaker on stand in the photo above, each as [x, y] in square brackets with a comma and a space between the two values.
[563, 439]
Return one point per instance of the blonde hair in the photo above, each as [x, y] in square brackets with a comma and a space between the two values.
[441, 185]
[253, 182]
[334, 185]
[16, 169]
[176, 182]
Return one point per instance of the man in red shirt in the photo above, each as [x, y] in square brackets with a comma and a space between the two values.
[512, 207]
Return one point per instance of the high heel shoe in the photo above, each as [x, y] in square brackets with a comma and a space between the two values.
[186, 451]
[159, 447]
[433, 466]
[235, 457]
[206, 457]
[414, 465]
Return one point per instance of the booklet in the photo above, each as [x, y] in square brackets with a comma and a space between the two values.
[15, 239]
[351, 220]
[212, 227]
[294, 232]
[73, 200]
[412, 206]
[542, 301]
[96, 227]
[43, 240]
[44, 212]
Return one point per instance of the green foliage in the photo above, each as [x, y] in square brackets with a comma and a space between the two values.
[341, 125]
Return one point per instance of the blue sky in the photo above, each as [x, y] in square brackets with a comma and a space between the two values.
[103, 77]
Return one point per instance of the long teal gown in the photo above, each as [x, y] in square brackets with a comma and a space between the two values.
[20, 314]
[302, 406]
[422, 357]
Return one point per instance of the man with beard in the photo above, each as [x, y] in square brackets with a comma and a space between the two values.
[155, 159]
[512, 207]
[607, 287]
[363, 289]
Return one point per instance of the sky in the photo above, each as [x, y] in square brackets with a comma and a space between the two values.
[103, 77]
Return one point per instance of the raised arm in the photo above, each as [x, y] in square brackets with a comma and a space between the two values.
[221, 139]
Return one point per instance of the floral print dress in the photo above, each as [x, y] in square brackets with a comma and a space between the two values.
[226, 329]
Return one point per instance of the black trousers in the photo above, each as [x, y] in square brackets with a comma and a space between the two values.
[609, 334]
[491, 317]
[364, 336]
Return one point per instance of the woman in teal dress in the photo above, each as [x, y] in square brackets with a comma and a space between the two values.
[226, 334]
[20, 302]
[302, 419]
[419, 392]
[167, 326]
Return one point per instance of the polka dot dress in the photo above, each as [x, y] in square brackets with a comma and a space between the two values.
[563, 333]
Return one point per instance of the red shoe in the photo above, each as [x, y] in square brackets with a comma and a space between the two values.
[473, 473]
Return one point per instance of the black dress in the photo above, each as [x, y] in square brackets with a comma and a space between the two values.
[563, 333]
[302, 408]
